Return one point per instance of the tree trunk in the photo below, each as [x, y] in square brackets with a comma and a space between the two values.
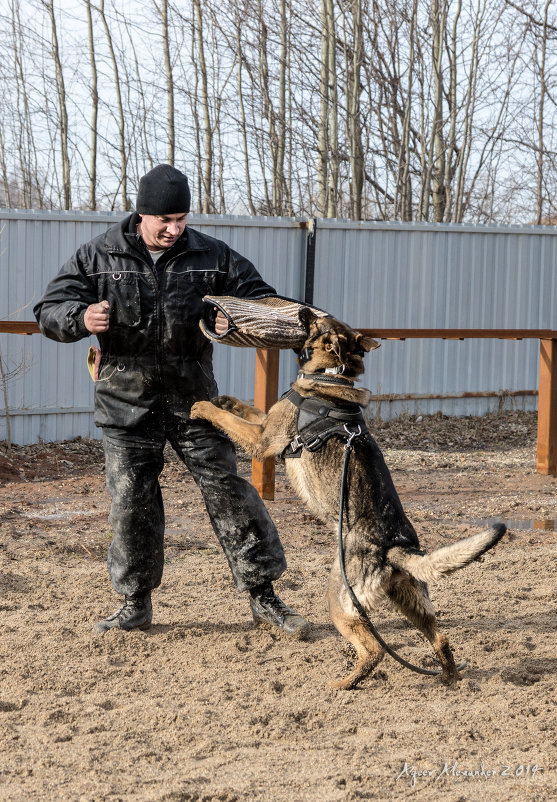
[323, 132]
[403, 203]
[121, 118]
[207, 175]
[5, 180]
[279, 189]
[21, 100]
[354, 115]
[332, 190]
[169, 80]
[94, 111]
[62, 110]
[438, 190]
[243, 126]
[541, 111]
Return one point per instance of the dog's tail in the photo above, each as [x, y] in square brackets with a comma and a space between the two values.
[447, 559]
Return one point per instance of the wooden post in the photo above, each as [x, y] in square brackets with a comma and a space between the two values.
[265, 395]
[546, 461]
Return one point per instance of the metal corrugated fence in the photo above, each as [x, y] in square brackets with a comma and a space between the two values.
[381, 275]
[417, 275]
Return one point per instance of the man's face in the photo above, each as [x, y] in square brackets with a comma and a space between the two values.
[161, 231]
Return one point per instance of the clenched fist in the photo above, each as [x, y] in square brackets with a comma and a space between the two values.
[96, 317]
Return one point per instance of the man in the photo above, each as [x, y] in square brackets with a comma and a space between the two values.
[139, 288]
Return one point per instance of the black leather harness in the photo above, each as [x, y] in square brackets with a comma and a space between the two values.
[318, 420]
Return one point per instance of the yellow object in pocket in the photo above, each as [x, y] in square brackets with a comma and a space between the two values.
[93, 362]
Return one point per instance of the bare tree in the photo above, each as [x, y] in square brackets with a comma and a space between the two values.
[388, 109]
[239, 15]
[207, 170]
[323, 136]
[121, 119]
[5, 180]
[333, 122]
[62, 108]
[94, 110]
[163, 12]
[354, 56]
[541, 110]
[403, 186]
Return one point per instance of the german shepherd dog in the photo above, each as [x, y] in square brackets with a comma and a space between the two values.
[383, 560]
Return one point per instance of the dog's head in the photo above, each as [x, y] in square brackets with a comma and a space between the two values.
[332, 347]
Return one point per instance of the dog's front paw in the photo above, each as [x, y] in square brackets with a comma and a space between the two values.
[226, 402]
[201, 410]
[230, 404]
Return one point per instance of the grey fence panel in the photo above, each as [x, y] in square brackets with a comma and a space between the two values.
[389, 275]
[51, 397]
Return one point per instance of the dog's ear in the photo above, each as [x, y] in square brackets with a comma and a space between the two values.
[307, 316]
[336, 344]
[367, 343]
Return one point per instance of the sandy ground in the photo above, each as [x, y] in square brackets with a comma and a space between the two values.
[204, 707]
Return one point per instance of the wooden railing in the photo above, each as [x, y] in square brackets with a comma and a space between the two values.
[266, 379]
[18, 327]
[266, 384]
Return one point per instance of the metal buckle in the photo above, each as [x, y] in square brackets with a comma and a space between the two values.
[351, 435]
[338, 371]
[296, 443]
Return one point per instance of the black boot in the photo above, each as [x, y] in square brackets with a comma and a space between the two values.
[268, 610]
[135, 613]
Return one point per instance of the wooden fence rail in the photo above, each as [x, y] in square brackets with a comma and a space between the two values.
[266, 384]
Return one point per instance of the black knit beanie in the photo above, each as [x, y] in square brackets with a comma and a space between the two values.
[163, 190]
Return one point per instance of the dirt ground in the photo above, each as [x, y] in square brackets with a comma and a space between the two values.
[204, 707]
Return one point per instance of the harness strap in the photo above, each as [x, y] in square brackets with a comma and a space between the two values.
[318, 420]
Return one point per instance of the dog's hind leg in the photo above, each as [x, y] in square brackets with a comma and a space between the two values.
[352, 626]
[409, 595]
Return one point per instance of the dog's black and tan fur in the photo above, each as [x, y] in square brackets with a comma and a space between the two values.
[382, 553]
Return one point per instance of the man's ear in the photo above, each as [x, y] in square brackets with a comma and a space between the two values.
[307, 316]
[367, 343]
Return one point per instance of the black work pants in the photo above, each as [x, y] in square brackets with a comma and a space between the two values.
[134, 461]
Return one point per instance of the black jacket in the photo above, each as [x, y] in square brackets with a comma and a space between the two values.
[154, 352]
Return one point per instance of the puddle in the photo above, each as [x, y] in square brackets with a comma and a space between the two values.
[529, 524]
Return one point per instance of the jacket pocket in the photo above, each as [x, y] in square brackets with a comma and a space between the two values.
[189, 284]
[108, 368]
[122, 291]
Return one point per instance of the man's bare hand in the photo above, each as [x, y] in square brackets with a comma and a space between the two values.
[221, 323]
[96, 317]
